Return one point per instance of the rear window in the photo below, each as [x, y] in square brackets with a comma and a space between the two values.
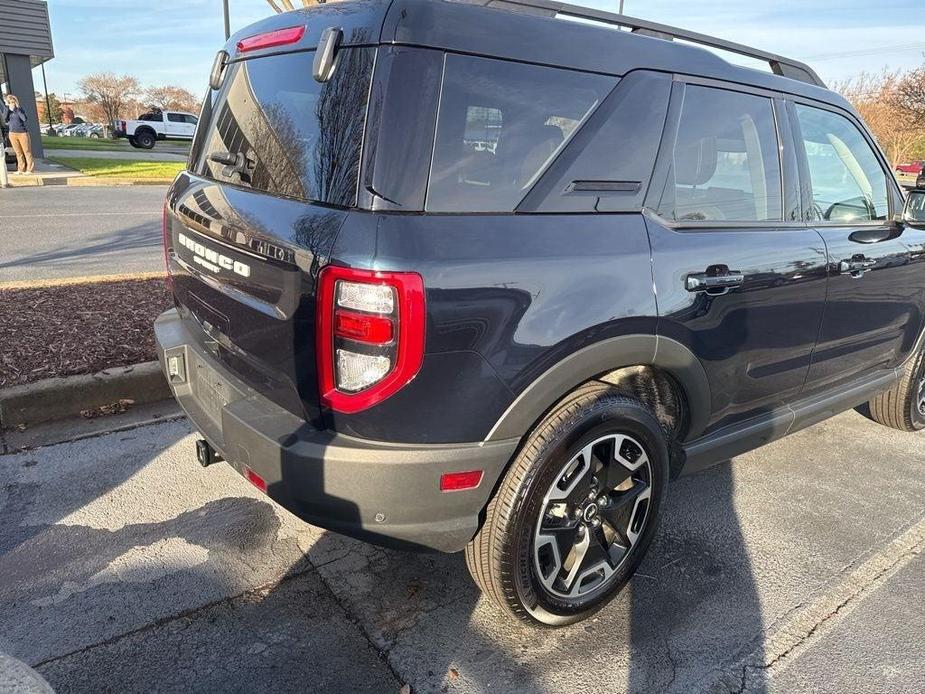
[291, 136]
[499, 126]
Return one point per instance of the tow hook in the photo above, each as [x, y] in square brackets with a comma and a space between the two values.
[205, 454]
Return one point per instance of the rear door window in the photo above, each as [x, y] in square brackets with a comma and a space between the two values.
[849, 185]
[499, 126]
[726, 162]
[286, 133]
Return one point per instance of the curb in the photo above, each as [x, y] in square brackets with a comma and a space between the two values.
[86, 181]
[58, 398]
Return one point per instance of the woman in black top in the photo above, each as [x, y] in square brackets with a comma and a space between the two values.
[12, 115]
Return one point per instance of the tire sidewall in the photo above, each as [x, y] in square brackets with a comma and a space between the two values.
[604, 417]
[916, 419]
[145, 140]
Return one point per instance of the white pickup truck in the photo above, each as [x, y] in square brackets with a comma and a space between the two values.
[156, 125]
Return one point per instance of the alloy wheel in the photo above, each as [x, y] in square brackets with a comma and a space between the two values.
[592, 516]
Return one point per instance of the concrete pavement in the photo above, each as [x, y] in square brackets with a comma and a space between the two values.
[56, 231]
[134, 154]
[126, 566]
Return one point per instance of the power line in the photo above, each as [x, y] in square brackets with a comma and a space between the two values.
[868, 52]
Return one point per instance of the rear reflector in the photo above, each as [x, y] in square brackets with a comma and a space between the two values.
[271, 39]
[458, 481]
[255, 479]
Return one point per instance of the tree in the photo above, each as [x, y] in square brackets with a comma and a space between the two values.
[56, 114]
[911, 94]
[286, 5]
[172, 98]
[110, 91]
[878, 98]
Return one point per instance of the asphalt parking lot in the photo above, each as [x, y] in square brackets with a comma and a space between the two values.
[53, 232]
[127, 567]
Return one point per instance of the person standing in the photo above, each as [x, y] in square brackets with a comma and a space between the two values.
[16, 119]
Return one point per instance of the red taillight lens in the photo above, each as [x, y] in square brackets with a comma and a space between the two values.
[459, 481]
[165, 231]
[271, 39]
[370, 335]
[362, 327]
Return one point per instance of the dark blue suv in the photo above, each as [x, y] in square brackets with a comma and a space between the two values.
[463, 277]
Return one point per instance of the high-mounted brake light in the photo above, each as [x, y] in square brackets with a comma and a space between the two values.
[271, 39]
[370, 334]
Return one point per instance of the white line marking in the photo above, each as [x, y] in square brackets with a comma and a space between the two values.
[79, 214]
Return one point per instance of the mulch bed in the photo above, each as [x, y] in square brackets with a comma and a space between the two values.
[74, 329]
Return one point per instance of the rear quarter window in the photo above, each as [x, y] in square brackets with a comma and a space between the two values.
[499, 125]
[292, 136]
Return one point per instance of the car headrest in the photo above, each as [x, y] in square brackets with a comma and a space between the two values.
[695, 162]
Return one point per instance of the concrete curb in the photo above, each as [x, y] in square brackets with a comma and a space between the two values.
[86, 181]
[58, 398]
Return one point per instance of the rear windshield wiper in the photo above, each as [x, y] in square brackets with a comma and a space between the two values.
[236, 163]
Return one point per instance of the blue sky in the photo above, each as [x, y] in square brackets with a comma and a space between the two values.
[174, 41]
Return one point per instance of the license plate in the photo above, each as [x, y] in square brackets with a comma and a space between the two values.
[211, 392]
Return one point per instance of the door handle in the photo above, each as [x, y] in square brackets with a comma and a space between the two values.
[857, 267]
[713, 282]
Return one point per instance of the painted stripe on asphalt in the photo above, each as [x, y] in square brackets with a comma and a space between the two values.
[801, 628]
[80, 214]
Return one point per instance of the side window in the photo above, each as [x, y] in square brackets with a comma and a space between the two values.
[499, 125]
[192, 120]
[176, 117]
[726, 161]
[152, 116]
[848, 182]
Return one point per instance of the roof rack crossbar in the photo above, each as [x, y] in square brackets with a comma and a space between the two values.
[779, 65]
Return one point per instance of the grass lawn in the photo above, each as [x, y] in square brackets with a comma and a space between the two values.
[122, 168]
[83, 143]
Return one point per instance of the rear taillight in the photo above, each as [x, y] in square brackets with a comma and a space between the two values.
[124, 128]
[271, 39]
[165, 232]
[370, 332]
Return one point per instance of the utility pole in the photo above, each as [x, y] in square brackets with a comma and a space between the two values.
[51, 130]
[621, 6]
[227, 20]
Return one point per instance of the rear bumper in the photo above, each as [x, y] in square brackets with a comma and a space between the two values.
[381, 492]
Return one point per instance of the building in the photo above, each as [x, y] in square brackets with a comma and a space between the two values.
[25, 43]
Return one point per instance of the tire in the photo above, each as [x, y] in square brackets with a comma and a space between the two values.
[133, 142]
[145, 139]
[519, 565]
[902, 407]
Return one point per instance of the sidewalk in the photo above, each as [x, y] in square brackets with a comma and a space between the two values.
[136, 154]
[48, 173]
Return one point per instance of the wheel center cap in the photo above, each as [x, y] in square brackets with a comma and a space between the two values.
[590, 512]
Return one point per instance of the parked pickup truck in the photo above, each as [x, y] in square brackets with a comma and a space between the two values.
[915, 168]
[156, 125]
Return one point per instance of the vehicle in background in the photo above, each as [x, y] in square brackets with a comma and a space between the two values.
[472, 278]
[9, 156]
[148, 128]
[914, 168]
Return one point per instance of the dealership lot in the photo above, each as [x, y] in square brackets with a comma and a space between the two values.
[126, 567]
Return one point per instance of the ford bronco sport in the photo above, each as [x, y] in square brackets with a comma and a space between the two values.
[472, 275]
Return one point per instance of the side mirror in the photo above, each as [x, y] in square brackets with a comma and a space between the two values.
[914, 211]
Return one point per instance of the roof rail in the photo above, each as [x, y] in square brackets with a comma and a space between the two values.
[785, 67]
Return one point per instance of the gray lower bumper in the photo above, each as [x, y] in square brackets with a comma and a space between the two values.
[382, 492]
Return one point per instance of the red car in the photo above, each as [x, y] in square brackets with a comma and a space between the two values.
[916, 168]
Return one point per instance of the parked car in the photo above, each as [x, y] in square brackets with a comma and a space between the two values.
[156, 125]
[490, 290]
[914, 168]
[9, 156]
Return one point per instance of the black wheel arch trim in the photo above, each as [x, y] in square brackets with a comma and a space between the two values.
[600, 358]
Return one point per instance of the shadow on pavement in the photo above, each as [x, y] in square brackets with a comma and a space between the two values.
[193, 599]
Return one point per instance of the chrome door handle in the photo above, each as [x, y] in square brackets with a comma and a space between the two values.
[856, 267]
[714, 283]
